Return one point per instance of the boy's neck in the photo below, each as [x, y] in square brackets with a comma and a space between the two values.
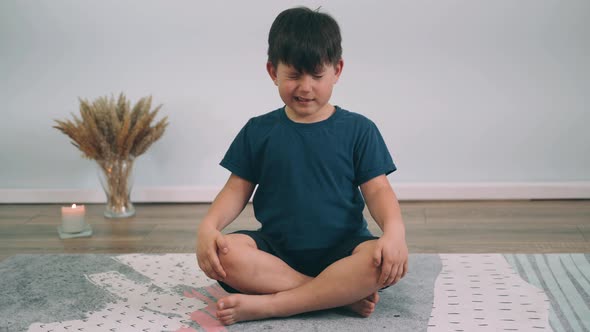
[325, 113]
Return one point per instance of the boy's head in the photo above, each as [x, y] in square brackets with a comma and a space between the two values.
[304, 39]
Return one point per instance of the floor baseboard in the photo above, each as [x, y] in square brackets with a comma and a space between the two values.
[404, 191]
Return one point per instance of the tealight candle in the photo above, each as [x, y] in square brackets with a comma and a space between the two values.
[72, 218]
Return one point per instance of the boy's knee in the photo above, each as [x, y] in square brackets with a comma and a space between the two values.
[229, 262]
[366, 250]
[239, 240]
[235, 256]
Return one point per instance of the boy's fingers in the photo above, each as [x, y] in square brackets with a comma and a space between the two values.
[398, 274]
[398, 271]
[221, 244]
[393, 273]
[385, 272]
[219, 270]
[216, 266]
[205, 268]
[210, 273]
[377, 257]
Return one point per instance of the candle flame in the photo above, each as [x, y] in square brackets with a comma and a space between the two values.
[73, 206]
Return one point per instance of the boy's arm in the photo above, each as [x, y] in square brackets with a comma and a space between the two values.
[228, 204]
[392, 252]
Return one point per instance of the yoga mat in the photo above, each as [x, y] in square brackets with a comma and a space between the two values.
[147, 292]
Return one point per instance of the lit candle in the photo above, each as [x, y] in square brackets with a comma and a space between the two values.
[72, 218]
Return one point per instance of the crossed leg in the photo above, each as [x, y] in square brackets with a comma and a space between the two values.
[278, 290]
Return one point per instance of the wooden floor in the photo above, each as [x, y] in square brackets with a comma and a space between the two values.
[449, 227]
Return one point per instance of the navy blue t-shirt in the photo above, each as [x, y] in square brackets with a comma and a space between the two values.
[308, 175]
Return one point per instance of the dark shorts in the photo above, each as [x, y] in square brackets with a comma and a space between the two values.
[309, 262]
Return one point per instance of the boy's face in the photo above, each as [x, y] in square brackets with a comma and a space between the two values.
[306, 95]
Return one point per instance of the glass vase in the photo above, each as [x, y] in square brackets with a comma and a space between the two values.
[116, 178]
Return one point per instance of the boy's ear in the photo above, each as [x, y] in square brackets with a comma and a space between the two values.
[272, 71]
[338, 69]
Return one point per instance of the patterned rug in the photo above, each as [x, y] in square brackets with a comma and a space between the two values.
[446, 292]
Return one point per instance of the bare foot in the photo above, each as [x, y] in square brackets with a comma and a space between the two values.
[366, 306]
[239, 307]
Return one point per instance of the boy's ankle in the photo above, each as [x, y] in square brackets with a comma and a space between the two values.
[274, 307]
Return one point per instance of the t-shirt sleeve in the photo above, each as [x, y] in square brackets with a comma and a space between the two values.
[239, 159]
[371, 156]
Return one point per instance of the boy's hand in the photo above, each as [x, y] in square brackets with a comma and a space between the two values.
[392, 255]
[209, 244]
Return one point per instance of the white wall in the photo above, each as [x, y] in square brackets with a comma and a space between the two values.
[468, 94]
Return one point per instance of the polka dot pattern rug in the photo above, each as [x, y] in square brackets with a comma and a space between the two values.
[146, 292]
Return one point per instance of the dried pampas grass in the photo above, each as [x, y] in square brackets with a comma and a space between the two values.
[110, 130]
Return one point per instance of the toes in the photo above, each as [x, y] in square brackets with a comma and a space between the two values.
[364, 308]
[365, 313]
[368, 304]
[368, 310]
[227, 321]
[226, 309]
[227, 302]
[225, 313]
[226, 317]
[373, 297]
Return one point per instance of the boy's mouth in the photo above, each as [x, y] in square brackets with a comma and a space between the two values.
[303, 100]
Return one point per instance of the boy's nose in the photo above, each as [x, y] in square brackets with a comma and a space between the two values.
[305, 83]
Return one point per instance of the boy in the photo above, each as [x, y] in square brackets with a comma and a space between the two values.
[308, 159]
